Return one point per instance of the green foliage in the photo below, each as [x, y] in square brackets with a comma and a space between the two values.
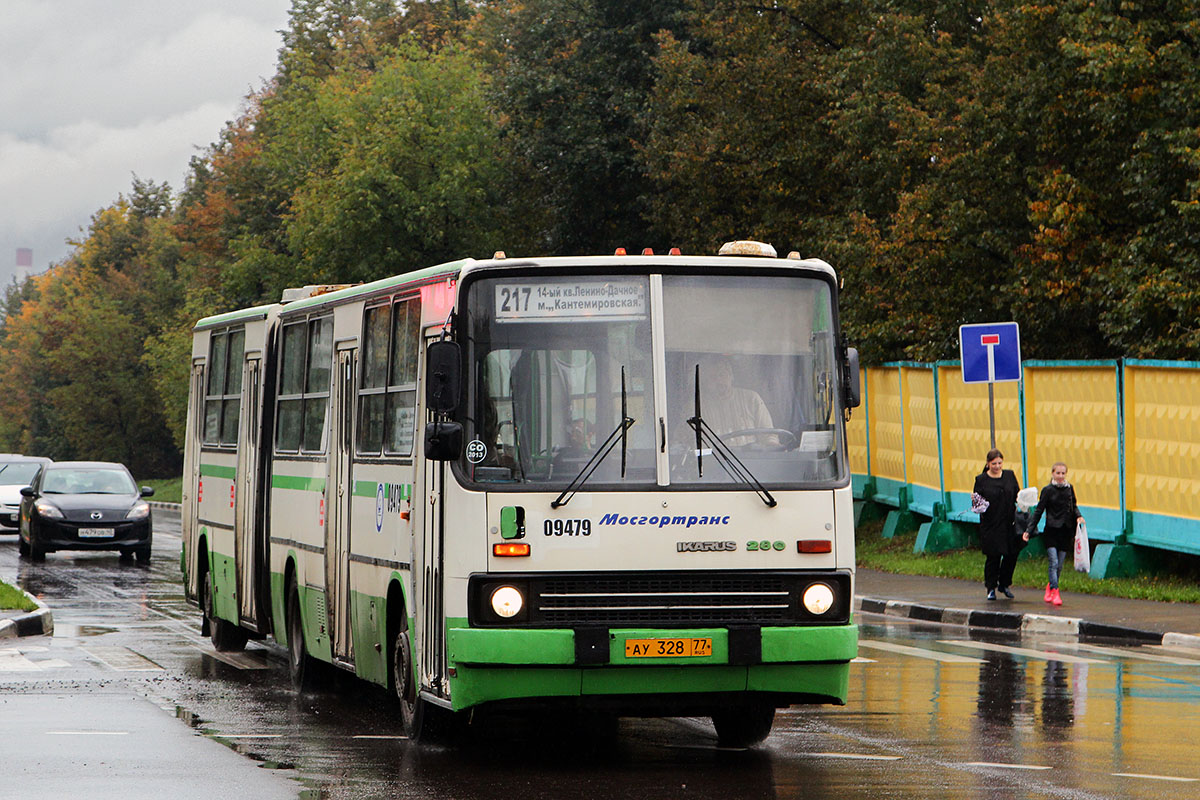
[956, 162]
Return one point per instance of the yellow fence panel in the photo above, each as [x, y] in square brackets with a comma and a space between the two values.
[921, 428]
[886, 423]
[1162, 441]
[1072, 414]
[966, 431]
[856, 432]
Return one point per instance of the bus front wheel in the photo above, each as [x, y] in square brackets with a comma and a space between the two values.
[304, 670]
[745, 726]
[404, 682]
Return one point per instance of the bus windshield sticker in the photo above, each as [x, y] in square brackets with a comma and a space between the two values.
[582, 300]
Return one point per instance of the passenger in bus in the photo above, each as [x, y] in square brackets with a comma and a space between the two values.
[729, 409]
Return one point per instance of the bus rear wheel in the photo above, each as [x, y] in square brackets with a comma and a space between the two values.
[225, 636]
[303, 668]
[745, 726]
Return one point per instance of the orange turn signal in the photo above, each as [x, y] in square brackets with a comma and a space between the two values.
[510, 549]
[814, 546]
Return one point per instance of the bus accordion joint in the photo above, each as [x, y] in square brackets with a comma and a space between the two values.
[510, 549]
[814, 546]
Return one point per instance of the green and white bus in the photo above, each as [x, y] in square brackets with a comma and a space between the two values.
[609, 483]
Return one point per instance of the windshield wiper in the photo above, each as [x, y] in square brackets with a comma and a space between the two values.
[732, 465]
[619, 434]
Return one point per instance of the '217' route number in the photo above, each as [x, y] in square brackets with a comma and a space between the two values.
[515, 299]
[567, 527]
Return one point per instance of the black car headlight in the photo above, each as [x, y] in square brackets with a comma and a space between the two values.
[140, 510]
[46, 509]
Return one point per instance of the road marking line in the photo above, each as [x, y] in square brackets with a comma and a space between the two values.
[377, 736]
[1154, 777]
[1131, 653]
[852, 756]
[122, 659]
[995, 765]
[247, 735]
[239, 660]
[13, 660]
[862, 660]
[1023, 651]
[87, 733]
[936, 655]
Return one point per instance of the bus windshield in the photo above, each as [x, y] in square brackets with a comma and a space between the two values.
[557, 362]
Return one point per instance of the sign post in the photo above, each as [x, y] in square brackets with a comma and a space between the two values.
[990, 353]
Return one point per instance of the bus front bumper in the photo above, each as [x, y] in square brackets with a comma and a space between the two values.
[790, 664]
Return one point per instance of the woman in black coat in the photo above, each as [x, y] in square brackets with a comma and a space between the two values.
[996, 488]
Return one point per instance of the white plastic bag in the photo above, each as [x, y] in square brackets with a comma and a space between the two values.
[1083, 552]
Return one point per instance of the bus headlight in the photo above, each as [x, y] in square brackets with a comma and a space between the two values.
[507, 602]
[818, 598]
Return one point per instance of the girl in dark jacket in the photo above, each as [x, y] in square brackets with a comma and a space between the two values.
[995, 497]
[1057, 502]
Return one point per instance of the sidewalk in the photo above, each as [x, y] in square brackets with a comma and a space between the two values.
[953, 601]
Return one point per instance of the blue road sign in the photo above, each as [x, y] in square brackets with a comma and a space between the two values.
[991, 352]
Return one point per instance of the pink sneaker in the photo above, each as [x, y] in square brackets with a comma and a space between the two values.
[1049, 594]
[1055, 599]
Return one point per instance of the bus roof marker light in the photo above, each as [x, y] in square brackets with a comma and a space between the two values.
[620, 251]
[506, 549]
[647, 251]
[674, 251]
[499, 255]
[747, 248]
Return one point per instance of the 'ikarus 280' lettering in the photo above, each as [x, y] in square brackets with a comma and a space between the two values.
[611, 483]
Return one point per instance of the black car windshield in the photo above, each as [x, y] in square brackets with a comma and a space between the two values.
[88, 481]
[18, 473]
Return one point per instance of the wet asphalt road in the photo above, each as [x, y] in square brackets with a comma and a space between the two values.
[933, 712]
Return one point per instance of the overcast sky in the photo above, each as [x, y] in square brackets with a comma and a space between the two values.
[93, 92]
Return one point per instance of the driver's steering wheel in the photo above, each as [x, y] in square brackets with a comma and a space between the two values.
[787, 439]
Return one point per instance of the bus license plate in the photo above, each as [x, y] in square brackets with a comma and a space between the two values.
[668, 648]
[95, 533]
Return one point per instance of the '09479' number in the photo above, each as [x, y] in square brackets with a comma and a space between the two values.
[567, 527]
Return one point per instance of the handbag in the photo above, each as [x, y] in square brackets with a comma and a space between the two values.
[978, 503]
[1083, 552]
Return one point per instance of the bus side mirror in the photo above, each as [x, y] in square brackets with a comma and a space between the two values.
[443, 441]
[443, 376]
[852, 385]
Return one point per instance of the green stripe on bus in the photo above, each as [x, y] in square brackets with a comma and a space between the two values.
[216, 471]
[300, 484]
[366, 488]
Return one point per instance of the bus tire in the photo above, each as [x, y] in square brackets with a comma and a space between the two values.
[225, 636]
[303, 668]
[422, 721]
[745, 726]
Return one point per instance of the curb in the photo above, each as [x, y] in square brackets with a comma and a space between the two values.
[1025, 623]
[34, 623]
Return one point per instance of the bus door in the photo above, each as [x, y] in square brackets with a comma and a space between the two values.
[428, 580]
[191, 494]
[340, 496]
[246, 481]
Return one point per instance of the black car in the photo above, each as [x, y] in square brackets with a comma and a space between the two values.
[85, 505]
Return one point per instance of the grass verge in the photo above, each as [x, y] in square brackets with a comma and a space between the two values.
[13, 598]
[1177, 582]
[166, 490]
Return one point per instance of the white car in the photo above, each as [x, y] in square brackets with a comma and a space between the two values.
[16, 472]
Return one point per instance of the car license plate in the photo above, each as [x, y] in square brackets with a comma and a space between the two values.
[95, 533]
[668, 648]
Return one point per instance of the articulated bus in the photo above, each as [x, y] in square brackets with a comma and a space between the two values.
[612, 484]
